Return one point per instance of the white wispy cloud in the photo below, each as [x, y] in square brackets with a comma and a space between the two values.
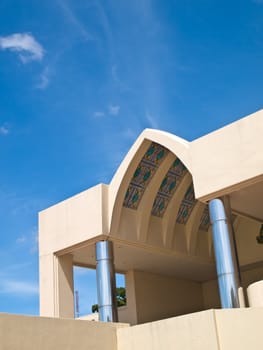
[74, 20]
[18, 287]
[130, 133]
[44, 79]
[21, 240]
[103, 20]
[110, 110]
[151, 120]
[27, 47]
[4, 130]
[117, 80]
[30, 240]
[98, 114]
[113, 110]
[34, 241]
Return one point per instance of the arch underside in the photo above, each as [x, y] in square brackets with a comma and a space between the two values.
[158, 205]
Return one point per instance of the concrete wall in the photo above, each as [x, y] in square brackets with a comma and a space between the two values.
[130, 314]
[208, 330]
[62, 226]
[255, 294]
[56, 286]
[159, 296]
[250, 275]
[211, 295]
[40, 333]
[195, 332]
[236, 157]
[227, 329]
[249, 251]
[77, 219]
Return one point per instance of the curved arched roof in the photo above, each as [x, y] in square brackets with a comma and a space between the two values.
[164, 181]
[137, 156]
[154, 182]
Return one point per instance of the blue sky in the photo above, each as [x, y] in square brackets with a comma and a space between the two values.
[80, 80]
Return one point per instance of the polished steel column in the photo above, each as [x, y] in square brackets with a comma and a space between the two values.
[226, 264]
[106, 286]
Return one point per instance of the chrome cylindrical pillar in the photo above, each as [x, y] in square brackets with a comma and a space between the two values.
[226, 265]
[106, 285]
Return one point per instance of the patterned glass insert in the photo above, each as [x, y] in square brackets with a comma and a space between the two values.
[187, 206]
[168, 186]
[143, 174]
[205, 220]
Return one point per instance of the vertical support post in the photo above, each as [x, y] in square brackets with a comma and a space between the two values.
[64, 286]
[106, 286]
[56, 286]
[226, 264]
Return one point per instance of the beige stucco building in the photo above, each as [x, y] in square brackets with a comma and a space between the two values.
[155, 212]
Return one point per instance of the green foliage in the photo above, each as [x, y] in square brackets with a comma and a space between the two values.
[121, 296]
[95, 308]
[120, 299]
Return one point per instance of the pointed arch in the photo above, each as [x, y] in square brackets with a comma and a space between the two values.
[126, 171]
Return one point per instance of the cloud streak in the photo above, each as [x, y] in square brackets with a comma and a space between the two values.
[44, 79]
[4, 130]
[114, 110]
[18, 287]
[152, 121]
[30, 240]
[27, 47]
[74, 20]
[99, 114]
[21, 240]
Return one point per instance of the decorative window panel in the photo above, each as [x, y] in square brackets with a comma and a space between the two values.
[168, 187]
[143, 174]
[187, 206]
[205, 220]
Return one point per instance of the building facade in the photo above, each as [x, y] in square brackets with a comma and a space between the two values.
[183, 221]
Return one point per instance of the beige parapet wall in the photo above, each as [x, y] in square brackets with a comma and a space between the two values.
[255, 294]
[207, 330]
[42, 333]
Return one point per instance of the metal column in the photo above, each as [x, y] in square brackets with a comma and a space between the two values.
[226, 264]
[106, 286]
